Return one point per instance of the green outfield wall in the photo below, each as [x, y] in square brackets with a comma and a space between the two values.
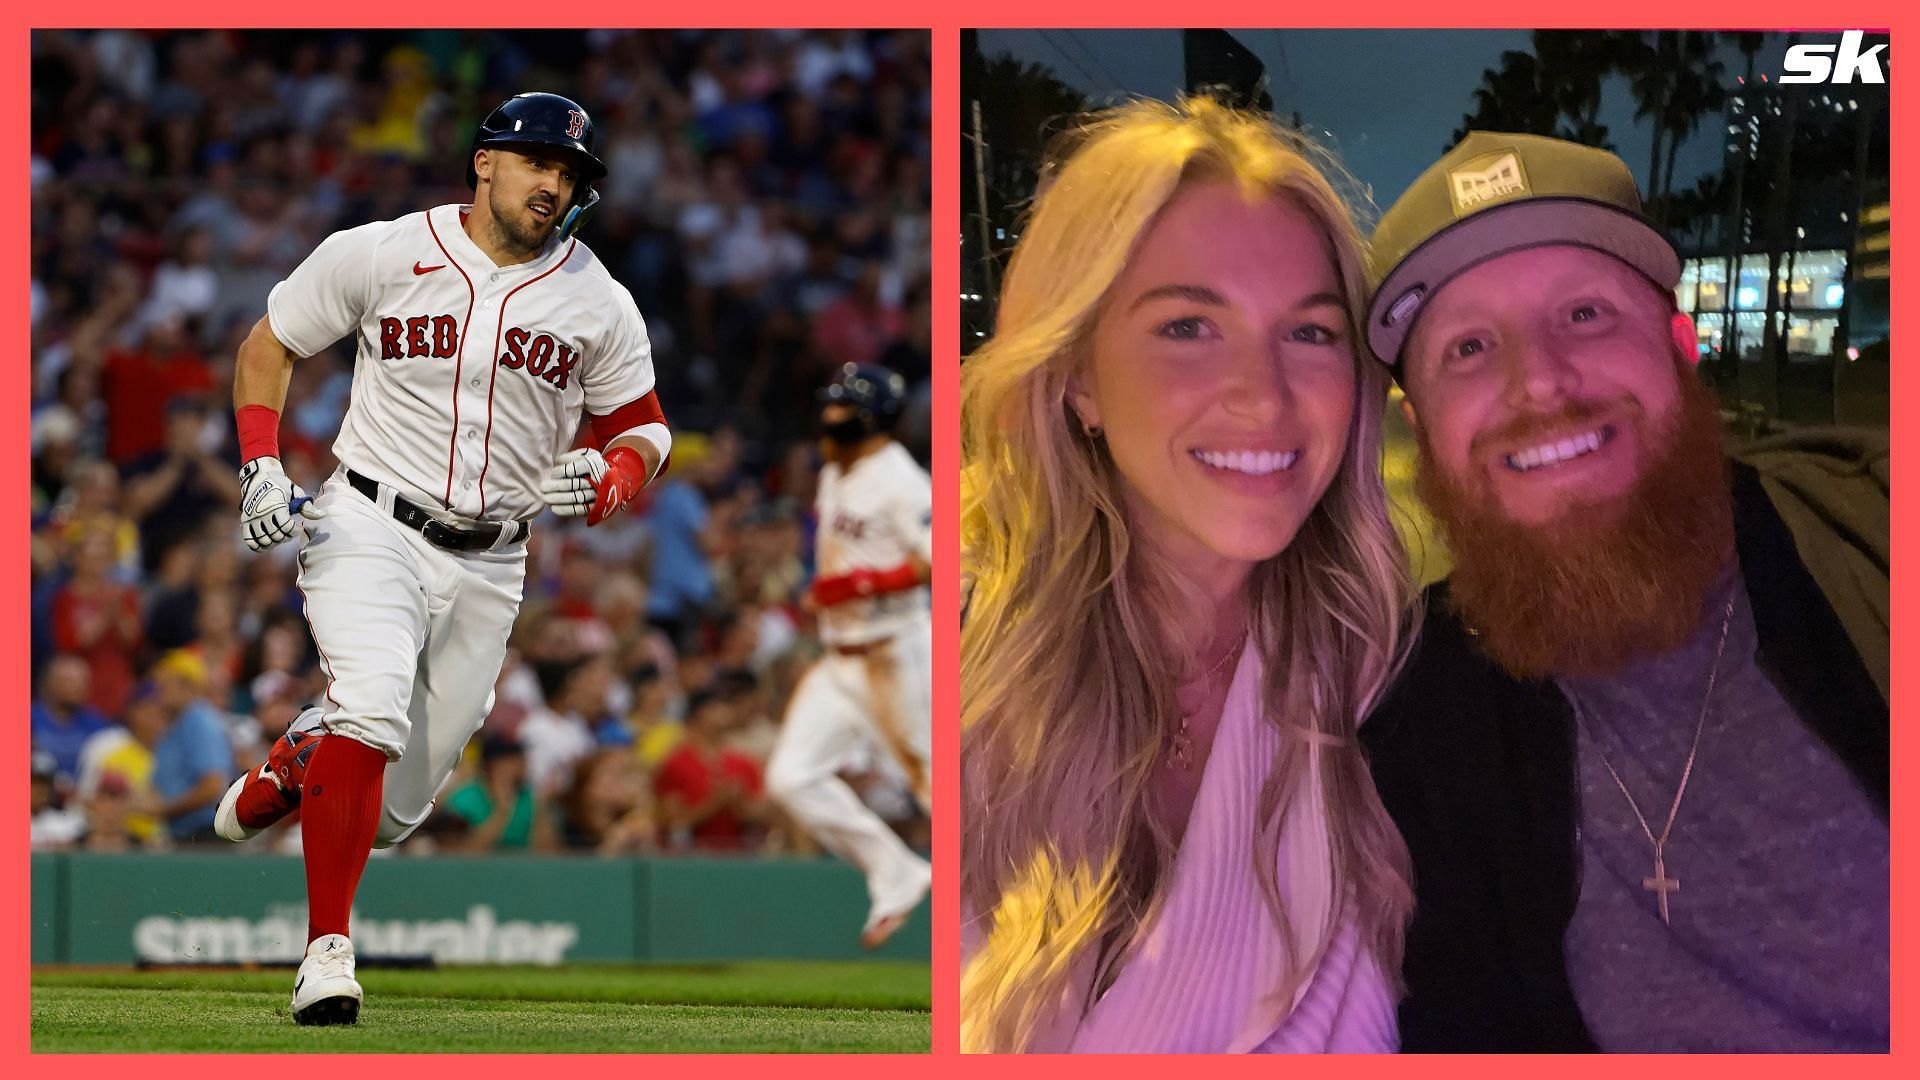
[238, 908]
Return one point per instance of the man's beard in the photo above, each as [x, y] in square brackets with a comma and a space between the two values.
[517, 237]
[1601, 583]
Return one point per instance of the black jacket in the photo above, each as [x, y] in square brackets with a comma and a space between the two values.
[1477, 769]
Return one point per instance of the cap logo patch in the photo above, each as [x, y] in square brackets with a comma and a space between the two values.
[1489, 178]
[1404, 307]
[576, 123]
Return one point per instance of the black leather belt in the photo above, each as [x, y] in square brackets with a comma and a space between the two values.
[432, 529]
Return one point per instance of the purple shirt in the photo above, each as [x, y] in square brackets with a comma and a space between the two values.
[1203, 975]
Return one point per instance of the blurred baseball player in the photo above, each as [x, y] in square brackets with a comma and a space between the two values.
[873, 685]
[482, 331]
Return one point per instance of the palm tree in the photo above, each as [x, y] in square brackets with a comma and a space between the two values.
[1692, 211]
[1696, 91]
[1579, 62]
[1511, 98]
[1651, 68]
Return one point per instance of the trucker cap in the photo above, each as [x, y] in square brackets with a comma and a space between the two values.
[1497, 193]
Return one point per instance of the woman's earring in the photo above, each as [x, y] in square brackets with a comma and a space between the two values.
[1093, 430]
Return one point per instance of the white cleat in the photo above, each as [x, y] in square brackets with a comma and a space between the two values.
[884, 922]
[226, 818]
[325, 991]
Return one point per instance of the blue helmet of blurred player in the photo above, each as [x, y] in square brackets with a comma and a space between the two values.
[871, 399]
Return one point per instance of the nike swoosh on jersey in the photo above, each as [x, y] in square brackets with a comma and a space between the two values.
[419, 269]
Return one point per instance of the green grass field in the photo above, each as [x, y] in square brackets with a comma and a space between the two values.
[780, 1007]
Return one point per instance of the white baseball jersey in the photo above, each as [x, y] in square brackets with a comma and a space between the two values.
[470, 377]
[873, 517]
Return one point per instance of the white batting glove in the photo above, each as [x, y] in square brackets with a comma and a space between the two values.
[268, 504]
[573, 484]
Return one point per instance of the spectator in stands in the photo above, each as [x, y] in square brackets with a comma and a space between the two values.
[911, 353]
[501, 808]
[710, 796]
[140, 384]
[610, 808]
[277, 698]
[174, 491]
[858, 326]
[633, 643]
[173, 596]
[736, 635]
[279, 650]
[116, 778]
[756, 723]
[765, 567]
[197, 573]
[114, 824]
[98, 620]
[92, 504]
[577, 599]
[655, 732]
[560, 734]
[192, 759]
[217, 644]
[681, 579]
[55, 827]
[54, 442]
[62, 720]
[185, 286]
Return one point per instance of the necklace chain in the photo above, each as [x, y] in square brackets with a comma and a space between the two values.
[1180, 743]
[1231, 652]
[1660, 883]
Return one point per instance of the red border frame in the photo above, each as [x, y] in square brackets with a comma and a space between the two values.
[945, 22]
[1495, 14]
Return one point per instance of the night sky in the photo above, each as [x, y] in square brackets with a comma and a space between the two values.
[1386, 101]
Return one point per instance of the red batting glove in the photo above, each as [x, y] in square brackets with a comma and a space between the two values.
[626, 474]
[858, 584]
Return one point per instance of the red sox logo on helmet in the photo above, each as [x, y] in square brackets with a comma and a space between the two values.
[576, 123]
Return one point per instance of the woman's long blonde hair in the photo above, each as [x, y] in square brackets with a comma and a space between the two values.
[1067, 656]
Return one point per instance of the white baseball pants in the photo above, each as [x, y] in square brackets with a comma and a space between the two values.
[882, 698]
[411, 637]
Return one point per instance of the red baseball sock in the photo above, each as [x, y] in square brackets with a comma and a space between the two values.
[339, 813]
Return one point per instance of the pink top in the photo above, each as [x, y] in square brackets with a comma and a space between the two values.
[1201, 981]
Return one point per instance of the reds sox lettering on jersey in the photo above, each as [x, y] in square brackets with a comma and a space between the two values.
[470, 377]
[875, 515]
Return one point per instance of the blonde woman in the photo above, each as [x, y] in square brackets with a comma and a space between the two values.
[1185, 588]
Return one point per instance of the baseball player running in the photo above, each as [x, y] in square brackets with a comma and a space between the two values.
[875, 540]
[482, 333]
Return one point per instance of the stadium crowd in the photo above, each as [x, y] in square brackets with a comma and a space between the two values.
[766, 203]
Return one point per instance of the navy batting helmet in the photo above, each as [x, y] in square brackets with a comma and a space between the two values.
[876, 394]
[537, 119]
